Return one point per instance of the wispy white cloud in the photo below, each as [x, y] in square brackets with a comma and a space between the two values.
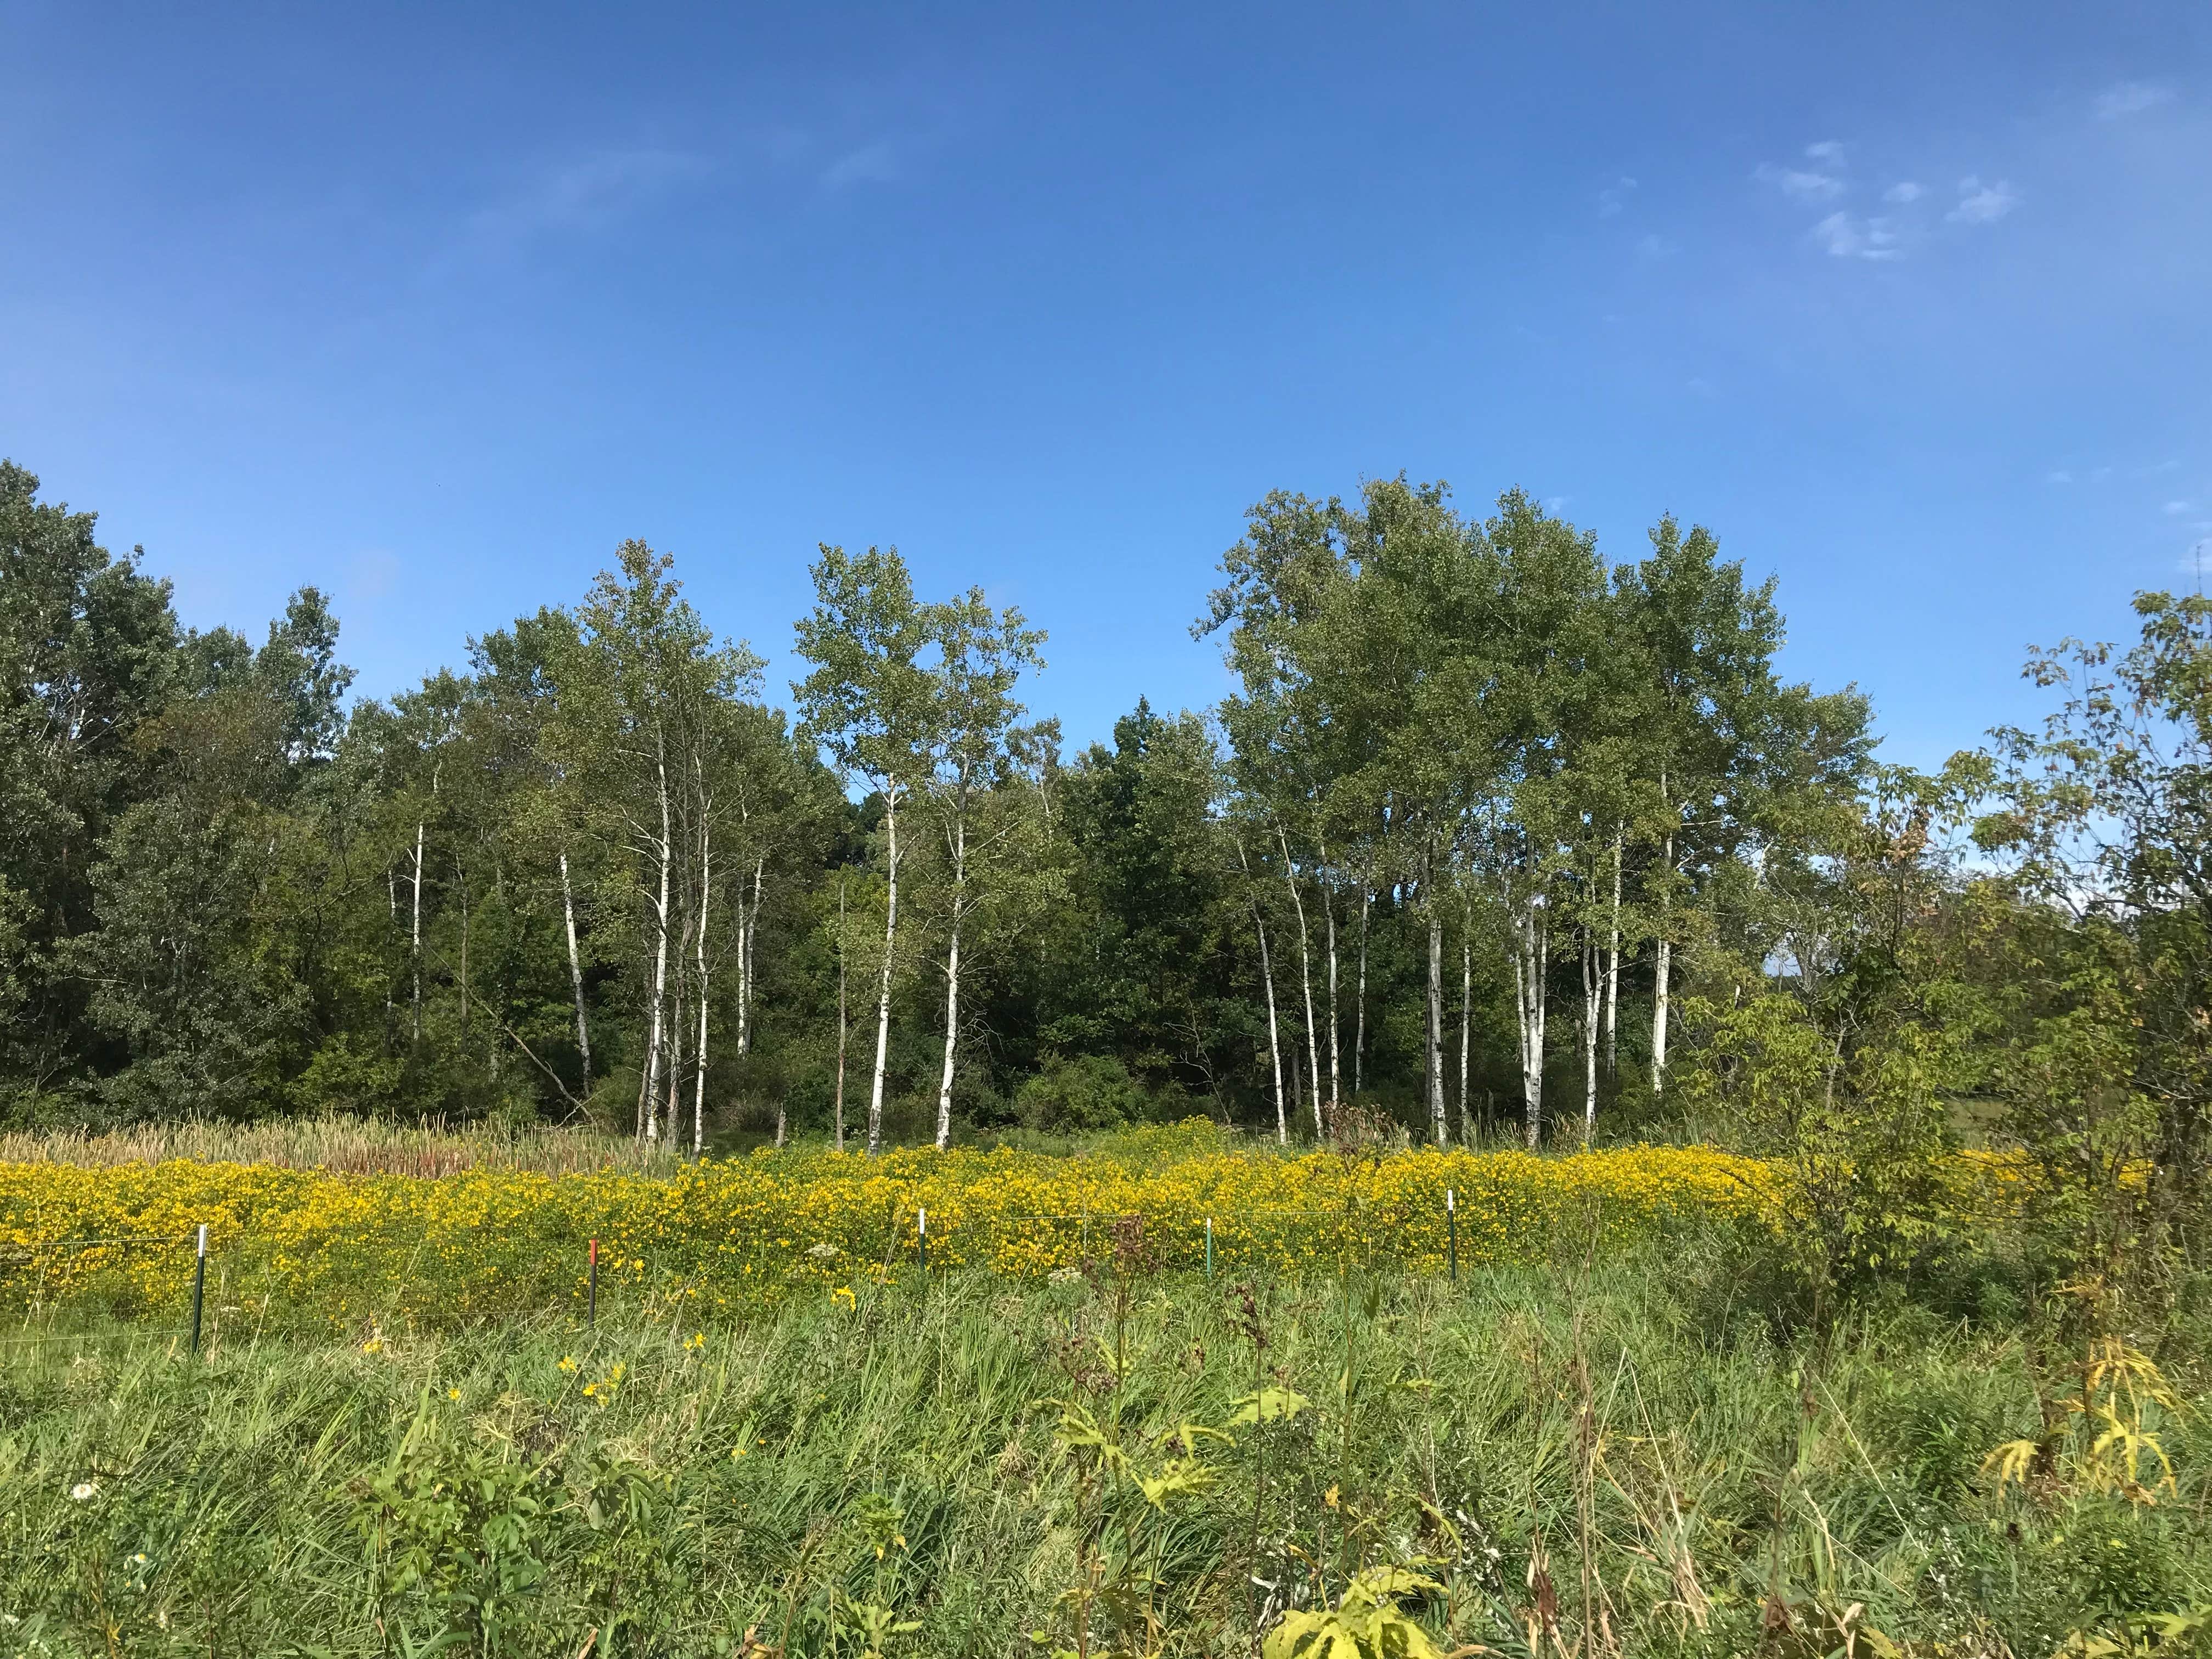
[1847, 238]
[2127, 98]
[1655, 246]
[871, 164]
[1903, 191]
[1982, 205]
[2061, 477]
[2175, 510]
[586, 194]
[1798, 184]
[1614, 197]
[1828, 150]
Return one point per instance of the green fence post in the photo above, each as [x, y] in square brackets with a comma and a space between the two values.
[199, 1288]
[1451, 1228]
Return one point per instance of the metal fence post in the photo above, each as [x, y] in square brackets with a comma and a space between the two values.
[199, 1288]
[921, 1236]
[1451, 1229]
[591, 1294]
[1209, 1246]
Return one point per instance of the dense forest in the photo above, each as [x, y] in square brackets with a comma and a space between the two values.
[1496, 836]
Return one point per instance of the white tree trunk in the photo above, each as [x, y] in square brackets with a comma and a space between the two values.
[699, 949]
[752, 946]
[1531, 961]
[1593, 1008]
[1359, 1034]
[744, 1034]
[1305, 978]
[1436, 1057]
[415, 944]
[748, 957]
[953, 984]
[1612, 970]
[1267, 979]
[648, 1122]
[575, 971]
[1274, 1040]
[883, 985]
[1661, 989]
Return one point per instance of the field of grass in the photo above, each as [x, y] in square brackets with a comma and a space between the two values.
[1600, 1439]
[344, 1146]
[1623, 1458]
[293, 1246]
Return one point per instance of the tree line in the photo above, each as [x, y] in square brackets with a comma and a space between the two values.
[1494, 835]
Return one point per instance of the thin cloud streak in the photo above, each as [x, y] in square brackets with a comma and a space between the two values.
[2127, 98]
[587, 195]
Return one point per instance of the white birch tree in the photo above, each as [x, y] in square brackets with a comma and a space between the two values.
[873, 705]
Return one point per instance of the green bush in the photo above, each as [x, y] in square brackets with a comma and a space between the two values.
[1081, 1092]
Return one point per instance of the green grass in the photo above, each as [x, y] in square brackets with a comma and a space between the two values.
[276, 1498]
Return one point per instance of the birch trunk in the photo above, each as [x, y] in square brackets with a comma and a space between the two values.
[1268, 979]
[1360, 1034]
[884, 986]
[575, 971]
[752, 949]
[748, 957]
[699, 948]
[1593, 1001]
[1531, 961]
[1660, 988]
[1274, 1039]
[1305, 979]
[744, 1036]
[415, 944]
[1436, 1023]
[648, 1123]
[1612, 970]
[952, 985]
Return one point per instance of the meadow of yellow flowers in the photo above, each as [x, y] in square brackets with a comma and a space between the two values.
[289, 1245]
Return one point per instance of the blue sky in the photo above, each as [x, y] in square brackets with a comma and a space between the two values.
[433, 306]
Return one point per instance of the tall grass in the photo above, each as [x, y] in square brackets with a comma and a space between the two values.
[345, 1146]
[1625, 1457]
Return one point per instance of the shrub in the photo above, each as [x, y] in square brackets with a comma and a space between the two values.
[1081, 1092]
